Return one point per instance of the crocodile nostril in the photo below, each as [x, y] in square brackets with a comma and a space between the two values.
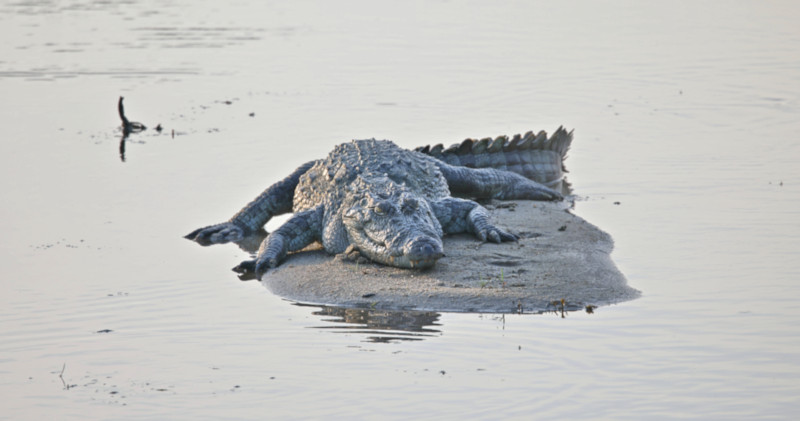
[424, 249]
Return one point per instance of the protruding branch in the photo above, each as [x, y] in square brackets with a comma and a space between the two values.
[128, 126]
[121, 109]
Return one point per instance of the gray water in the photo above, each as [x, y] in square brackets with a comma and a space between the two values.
[686, 114]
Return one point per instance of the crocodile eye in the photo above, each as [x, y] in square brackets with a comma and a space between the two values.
[382, 208]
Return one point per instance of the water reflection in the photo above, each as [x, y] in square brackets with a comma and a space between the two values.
[386, 326]
[381, 326]
[251, 243]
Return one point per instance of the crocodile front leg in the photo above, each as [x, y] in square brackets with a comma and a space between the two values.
[461, 215]
[275, 200]
[299, 231]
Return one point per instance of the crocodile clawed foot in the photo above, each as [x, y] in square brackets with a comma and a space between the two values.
[216, 234]
[557, 197]
[503, 236]
[248, 266]
[496, 235]
[544, 193]
[532, 190]
[247, 271]
[257, 267]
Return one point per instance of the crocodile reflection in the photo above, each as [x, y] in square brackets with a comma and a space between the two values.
[381, 326]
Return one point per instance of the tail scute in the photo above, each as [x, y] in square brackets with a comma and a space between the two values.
[535, 155]
[559, 142]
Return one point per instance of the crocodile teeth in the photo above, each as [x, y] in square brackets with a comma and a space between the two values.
[421, 263]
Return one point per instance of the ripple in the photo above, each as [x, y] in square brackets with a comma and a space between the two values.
[198, 37]
[51, 74]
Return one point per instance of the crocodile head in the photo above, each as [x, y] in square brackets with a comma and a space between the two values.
[394, 227]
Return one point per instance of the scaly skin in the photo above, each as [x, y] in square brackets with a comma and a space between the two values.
[391, 204]
[534, 156]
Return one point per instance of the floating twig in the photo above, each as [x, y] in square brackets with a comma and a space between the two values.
[61, 376]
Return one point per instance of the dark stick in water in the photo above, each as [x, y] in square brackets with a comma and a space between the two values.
[128, 126]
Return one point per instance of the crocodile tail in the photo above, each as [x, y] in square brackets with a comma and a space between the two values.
[533, 155]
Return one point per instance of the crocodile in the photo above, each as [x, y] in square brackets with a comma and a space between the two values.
[393, 205]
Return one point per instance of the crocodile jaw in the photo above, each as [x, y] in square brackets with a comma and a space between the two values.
[419, 253]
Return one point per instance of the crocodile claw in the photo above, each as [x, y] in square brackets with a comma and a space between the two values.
[478, 219]
[258, 266]
[536, 191]
[216, 234]
[248, 266]
[495, 235]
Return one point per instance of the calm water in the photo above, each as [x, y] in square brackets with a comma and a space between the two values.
[686, 114]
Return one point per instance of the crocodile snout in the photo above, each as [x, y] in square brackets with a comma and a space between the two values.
[423, 252]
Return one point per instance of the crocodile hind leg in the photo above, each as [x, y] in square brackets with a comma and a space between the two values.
[275, 200]
[489, 183]
[299, 231]
[461, 215]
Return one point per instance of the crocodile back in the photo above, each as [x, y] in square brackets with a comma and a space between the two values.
[330, 180]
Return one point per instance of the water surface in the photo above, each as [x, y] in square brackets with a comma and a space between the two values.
[685, 115]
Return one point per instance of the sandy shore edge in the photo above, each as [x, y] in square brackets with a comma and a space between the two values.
[559, 256]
